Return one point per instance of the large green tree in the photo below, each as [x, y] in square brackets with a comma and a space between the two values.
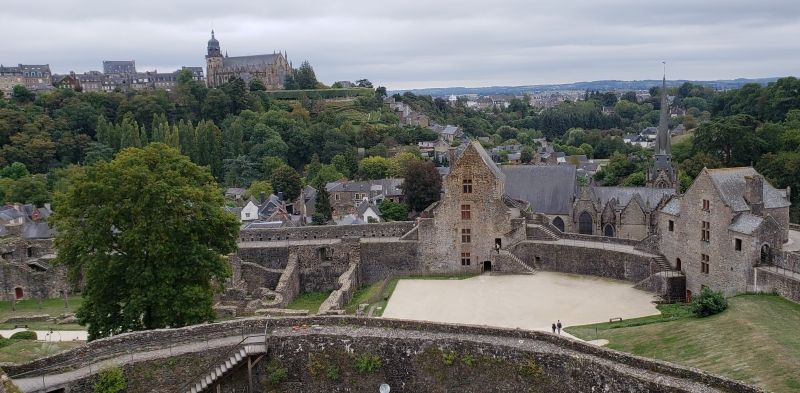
[305, 76]
[286, 180]
[422, 185]
[146, 234]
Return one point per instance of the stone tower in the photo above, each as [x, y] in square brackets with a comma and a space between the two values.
[663, 174]
[213, 62]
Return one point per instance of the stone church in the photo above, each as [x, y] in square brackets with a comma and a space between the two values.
[270, 69]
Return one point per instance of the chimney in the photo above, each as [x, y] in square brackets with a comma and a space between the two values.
[18, 206]
[754, 193]
[280, 196]
[47, 206]
[263, 197]
[451, 157]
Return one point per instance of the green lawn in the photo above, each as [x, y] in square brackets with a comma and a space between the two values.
[309, 301]
[25, 350]
[52, 307]
[757, 340]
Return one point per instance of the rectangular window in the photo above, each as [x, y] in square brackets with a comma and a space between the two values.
[738, 244]
[465, 212]
[467, 186]
[465, 259]
[705, 234]
[466, 236]
[704, 263]
[671, 225]
[706, 205]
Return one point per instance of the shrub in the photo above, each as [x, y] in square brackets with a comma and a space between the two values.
[277, 373]
[110, 380]
[47, 349]
[367, 363]
[708, 303]
[26, 335]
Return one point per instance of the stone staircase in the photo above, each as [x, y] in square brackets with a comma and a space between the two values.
[541, 232]
[525, 268]
[662, 263]
[250, 346]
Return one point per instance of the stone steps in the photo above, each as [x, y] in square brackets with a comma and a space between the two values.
[251, 346]
[514, 258]
[541, 232]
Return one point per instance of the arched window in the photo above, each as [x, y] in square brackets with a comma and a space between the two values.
[585, 224]
[608, 231]
[765, 258]
[18, 293]
[558, 223]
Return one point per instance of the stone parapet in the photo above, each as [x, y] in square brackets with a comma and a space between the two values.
[389, 229]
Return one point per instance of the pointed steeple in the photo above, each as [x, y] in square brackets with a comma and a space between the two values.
[663, 174]
[663, 145]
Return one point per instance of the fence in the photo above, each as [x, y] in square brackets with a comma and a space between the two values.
[781, 271]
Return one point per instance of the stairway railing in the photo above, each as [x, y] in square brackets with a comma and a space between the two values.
[216, 362]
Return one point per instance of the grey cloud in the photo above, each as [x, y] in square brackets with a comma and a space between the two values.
[424, 43]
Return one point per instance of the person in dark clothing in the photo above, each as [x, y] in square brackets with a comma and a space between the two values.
[554, 328]
[558, 325]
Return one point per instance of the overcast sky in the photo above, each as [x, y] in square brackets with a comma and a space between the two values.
[415, 44]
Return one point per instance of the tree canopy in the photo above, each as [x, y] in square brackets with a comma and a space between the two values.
[422, 185]
[146, 233]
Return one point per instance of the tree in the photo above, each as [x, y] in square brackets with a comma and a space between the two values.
[340, 164]
[146, 235]
[286, 180]
[364, 83]
[635, 180]
[257, 187]
[22, 95]
[29, 190]
[305, 76]
[422, 185]
[256, 84]
[15, 171]
[313, 167]
[399, 163]
[269, 164]
[526, 156]
[322, 203]
[381, 92]
[290, 83]
[391, 211]
[373, 168]
[733, 139]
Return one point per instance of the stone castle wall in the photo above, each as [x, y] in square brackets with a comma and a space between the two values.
[388, 229]
[412, 357]
[787, 287]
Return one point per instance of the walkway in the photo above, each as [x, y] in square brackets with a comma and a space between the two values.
[313, 242]
[794, 241]
[599, 245]
[37, 383]
[780, 271]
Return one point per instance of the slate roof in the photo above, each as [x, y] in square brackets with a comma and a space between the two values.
[624, 195]
[673, 207]
[450, 130]
[350, 219]
[730, 184]
[9, 213]
[37, 230]
[548, 189]
[235, 191]
[245, 61]
[650, 131]
[746, 223]
[309, 194]
[119, 67]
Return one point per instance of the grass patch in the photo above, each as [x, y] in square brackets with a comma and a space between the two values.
[755, 340]
[52, 307]
[680, 138]
[361, 295]
[309, 301]
[25, 351]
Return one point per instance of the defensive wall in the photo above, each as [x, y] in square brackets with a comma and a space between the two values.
[412, 356]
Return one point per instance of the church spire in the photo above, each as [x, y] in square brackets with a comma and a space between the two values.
[663, 145]
[663, 174]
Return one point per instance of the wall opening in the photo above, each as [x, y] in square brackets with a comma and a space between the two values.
[18, 293]
[688, 296]
[558, 223]
[498, 243]
[608, 231]
[678, 264]
[765, 259]
[487, 266]
[585, 224]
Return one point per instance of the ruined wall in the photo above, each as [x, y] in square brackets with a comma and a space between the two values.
[378, 260]
[273, 257]
[388, 229]
[588, 261]
[15, 254]
[787, 260]
[257, 276]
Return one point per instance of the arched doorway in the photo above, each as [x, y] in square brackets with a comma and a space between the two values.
[558, 223]
[765, 258]
[678, 264]
[18, 293]
[608, 231]
[585, 223]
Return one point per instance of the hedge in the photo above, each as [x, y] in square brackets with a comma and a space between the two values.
[26, 335]
[320, 93]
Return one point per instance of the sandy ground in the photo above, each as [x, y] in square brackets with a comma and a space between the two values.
[527, 302]
[58, 335]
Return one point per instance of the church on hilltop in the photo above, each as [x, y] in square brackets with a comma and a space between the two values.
[270, 69]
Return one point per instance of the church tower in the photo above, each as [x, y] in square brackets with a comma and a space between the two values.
[663, 174]
[213, 63]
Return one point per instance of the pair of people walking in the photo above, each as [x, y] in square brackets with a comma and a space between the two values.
[557, 327]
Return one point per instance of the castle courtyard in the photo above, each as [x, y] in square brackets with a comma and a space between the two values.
[523, 301]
